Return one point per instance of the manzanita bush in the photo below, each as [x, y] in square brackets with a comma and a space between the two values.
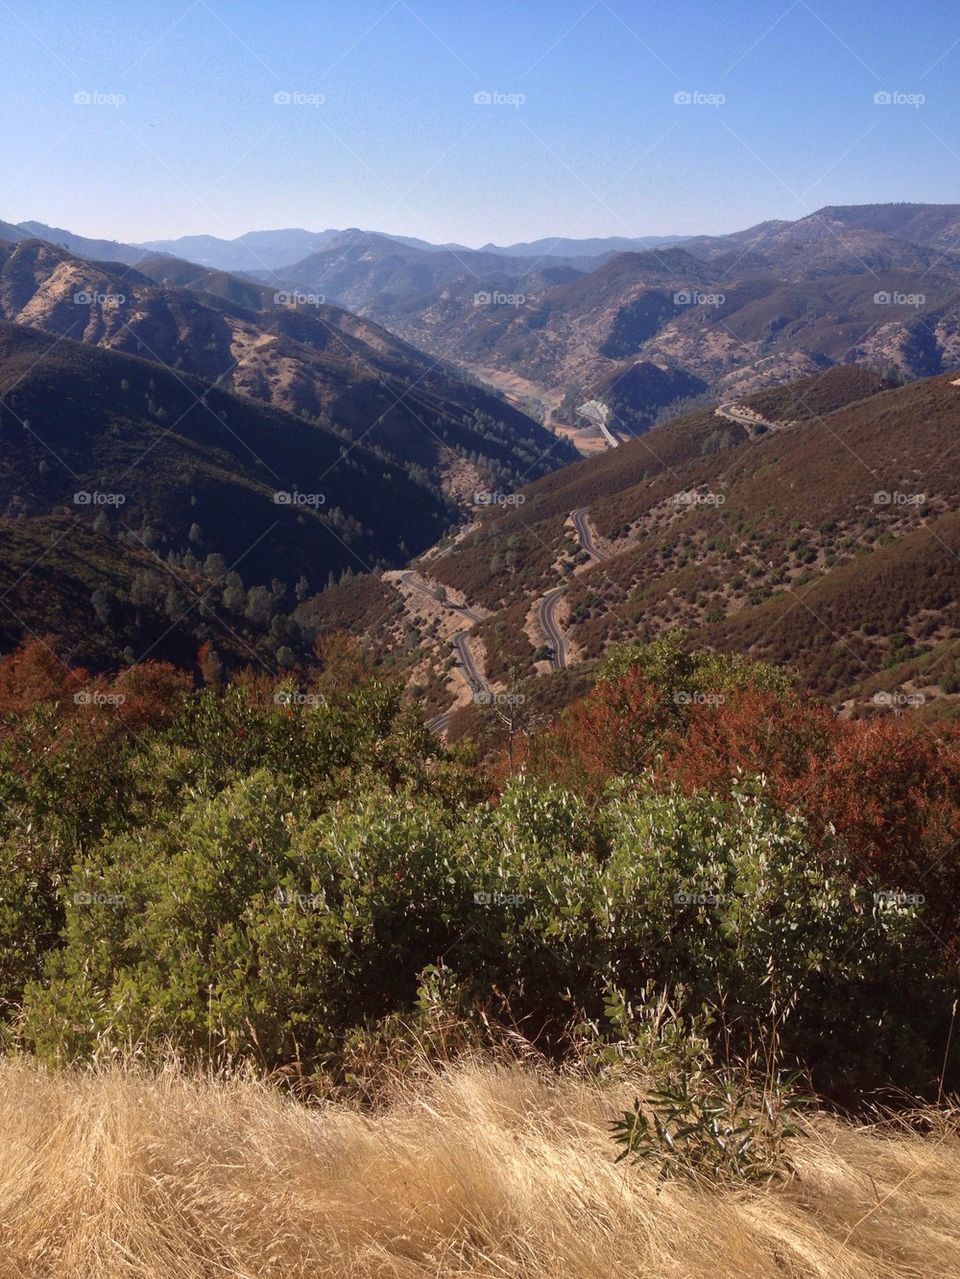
[279, 871]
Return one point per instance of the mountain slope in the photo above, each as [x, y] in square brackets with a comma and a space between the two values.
[83, 246]
[378, 276]
[316, 360]
[873, 285]
[165, 462]
[813, 524]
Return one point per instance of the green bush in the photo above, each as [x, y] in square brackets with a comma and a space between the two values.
[273, 874]
[266, 921]
[712, 1126]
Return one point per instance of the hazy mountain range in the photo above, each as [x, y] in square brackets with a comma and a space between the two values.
[875, 284]
[269, 250]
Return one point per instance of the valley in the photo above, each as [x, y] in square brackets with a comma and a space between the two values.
[776, 334]
[479, 641]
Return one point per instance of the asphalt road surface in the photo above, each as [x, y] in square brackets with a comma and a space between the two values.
[547, 617]
[438, 723]
[734, 413]
[585, 535]
[469, 667]
[414, 582]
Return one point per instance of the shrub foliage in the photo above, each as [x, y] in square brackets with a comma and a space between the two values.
[270, 871]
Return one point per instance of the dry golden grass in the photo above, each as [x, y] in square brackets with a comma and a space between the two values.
[481, 1170]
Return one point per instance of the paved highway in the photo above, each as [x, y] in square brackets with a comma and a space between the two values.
[547, 617]
[736, 414]
[415, 584]
[438, 723]
[547, 606]
[461, 647]
[585, 534]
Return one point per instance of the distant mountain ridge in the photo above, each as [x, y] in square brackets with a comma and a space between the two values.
[564, 247]
[270, 250]
[254, 251]
[875, 284]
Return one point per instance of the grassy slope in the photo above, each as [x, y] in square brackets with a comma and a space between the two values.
[478, 1171]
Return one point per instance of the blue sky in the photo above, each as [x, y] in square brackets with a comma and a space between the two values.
[583, 136]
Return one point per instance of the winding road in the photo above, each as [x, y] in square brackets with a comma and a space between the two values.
[461, 647]
[459, 643]
[415, 584]
[439, 723]
[585, 534]
[547, 618]
[547, 607]
[734, 412]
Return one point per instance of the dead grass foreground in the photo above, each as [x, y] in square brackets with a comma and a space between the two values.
[481, 1170]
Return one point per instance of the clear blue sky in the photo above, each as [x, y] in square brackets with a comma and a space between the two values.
[598, 147]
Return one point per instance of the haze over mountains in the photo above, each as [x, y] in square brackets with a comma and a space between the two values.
[266, 250]
[263, 250]
[554, 322]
